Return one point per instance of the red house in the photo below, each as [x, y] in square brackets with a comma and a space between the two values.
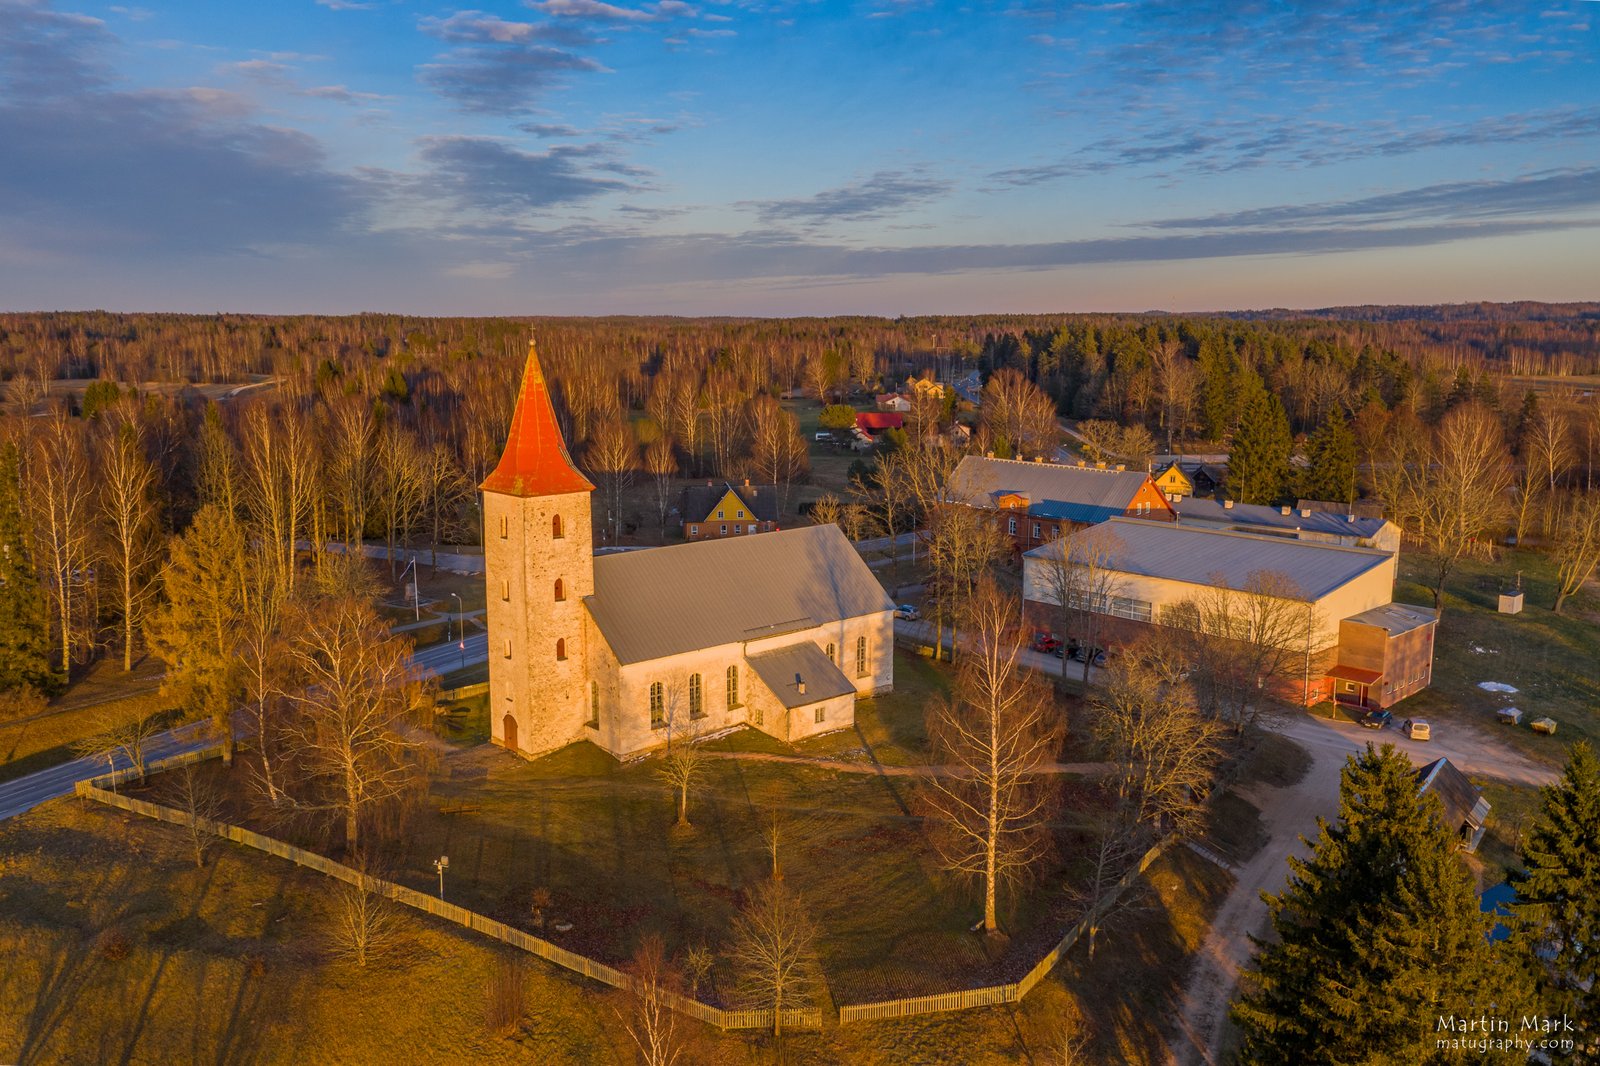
[875, 422]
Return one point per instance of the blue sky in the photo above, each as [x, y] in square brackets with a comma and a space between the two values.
[889, 156]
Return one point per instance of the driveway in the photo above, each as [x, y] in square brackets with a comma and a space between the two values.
[1037, 661]
[1287, 814]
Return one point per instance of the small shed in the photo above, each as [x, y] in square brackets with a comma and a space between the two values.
[1509, 715]
[1511, 601]
[1461, 803]
[1544, 725]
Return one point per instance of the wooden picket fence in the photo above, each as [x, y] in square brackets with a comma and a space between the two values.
[807, 1018]
[993, 995]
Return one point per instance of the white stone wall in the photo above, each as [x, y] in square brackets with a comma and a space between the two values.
[546, 697]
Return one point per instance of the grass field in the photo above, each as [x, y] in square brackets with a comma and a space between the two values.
[1550, 659]
[104, 697]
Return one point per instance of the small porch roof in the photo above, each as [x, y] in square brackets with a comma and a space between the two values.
[1355, 673]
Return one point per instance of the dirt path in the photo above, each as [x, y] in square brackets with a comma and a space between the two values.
[1287, 814]
[842, 766]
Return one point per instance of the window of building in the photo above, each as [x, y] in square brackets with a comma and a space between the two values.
[1011, 526]
[561, 590]
[1036, 531]
[505, 527]
[724, 531]
[733, 687]
[833, 656]
[561, 648]
[752, 527]
[722, 514]
[658, 706]
[861, 656]
[822, 715]
[508, 649]
[696, 705]
[739, 515]
[594, 705]
[555, 528]
[505, 589]
[694, 531]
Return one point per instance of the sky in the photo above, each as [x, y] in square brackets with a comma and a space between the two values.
[778, 158]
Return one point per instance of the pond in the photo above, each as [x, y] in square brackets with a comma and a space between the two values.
[1497, 901]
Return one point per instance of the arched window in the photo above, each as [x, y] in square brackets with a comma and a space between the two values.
[561, 648]
[555, 527]
[861, 656]
[696, 704]
[733, 687]
[658, 706]
[561, 590]
[594, 705]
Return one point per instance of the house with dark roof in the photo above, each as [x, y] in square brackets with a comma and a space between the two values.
[717, 510]
[1035, 503]
[1299, 523]
[1461, 803]
[781, 632]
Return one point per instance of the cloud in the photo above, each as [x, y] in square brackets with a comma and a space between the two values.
[490, 80]
[596, 11]
[549, 129]
[885, 193]
[346, 5]
[92, 168]
[492, 176]
[475, 27]
[340, 94]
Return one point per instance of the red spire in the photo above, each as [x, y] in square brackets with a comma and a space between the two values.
[535, 462]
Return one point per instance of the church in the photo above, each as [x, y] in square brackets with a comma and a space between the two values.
[782, 632]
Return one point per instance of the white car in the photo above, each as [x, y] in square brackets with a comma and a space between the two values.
[907, 611]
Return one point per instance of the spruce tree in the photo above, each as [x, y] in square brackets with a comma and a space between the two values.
[24, 631]
[1558, 892]
[1258, 459]
[1331, 452]
[1378, 935]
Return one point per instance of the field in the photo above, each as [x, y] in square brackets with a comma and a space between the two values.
[102, 698]
[1550, 659]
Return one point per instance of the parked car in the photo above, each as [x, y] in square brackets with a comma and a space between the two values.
[1417, 729]
[1377, 719]
[1092, 656]
[825, 436]
[1044, 642]
[908, 612]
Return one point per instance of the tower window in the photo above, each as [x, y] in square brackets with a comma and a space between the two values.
[561, 590]
[833, 654]
[861, 656]
[733, 687]
[505, 527]
[508, 649]
[696, 703]
[594, 705]
[555, 527]
[658, 706]
[561, 649]
[505, 589]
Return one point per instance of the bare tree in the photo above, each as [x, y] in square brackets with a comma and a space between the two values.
[1100, 439]
[1119, 843]
[195, 794]
[1576, 544]
[128, 518]
[662, 466]
[1080, 576]
[774, 949]
[652, 1023]
[827, 510]
[129, 738]
[1464, 502]
[822, 374]
[612, 457]
[682, 765]
[1018, 417]
[962, 543]
[1399, 455]
[355, 694]
[59, 497]
[401, 485]
[996, 732]
[778, 452]
[365, 923]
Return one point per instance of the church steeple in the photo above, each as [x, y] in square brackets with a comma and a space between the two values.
[535, 462]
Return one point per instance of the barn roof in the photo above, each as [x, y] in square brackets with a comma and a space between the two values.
[1071, 493]
[1201, 556]
[1465, 809]
[665, 601]
[535, 462]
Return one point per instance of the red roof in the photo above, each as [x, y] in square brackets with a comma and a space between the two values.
[1355, 673]
[535, 462]
[876, 420]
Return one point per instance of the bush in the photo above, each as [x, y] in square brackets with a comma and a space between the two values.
[837, 416]
[507, 998]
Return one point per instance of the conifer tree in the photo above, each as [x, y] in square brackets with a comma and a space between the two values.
[24, 628]
[1378, 935]
[1331, 452]
[1558, 892]
[1258, 460]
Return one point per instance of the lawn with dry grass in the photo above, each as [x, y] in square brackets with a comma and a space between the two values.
[103, 698]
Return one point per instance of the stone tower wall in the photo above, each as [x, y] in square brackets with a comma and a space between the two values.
[546, 696]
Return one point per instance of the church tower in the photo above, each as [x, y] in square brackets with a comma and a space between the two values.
[538, 552]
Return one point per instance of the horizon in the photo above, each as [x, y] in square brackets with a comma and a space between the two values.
[896, 158]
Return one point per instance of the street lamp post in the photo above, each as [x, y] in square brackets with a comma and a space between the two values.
[442, 863]
[461, 616]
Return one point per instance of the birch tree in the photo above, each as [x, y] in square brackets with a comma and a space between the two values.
[662, 466]
[1080, 575]
[774, 950]
[612, 457]
[127, 512]
[59, 492]
[1464, 501]
[996, 733]
[1576, 544]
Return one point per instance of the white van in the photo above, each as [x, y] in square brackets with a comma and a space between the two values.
[1417, 729]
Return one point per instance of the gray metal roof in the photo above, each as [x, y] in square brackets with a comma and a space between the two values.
[1205, 509]
[1203, 556]
[1077, 493]
[664, 601]
[781, 669]
[761, 501]
[1396, 618]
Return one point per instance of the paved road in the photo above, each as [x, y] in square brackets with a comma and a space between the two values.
[28, 792]
[876, 769]
[1048, 665]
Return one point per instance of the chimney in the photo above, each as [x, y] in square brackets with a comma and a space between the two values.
[1283, 510]
[1227, 505]
[746, 482]
[1038, 458]
[1082, 463]
[708, 483]
[800, 684]
[1100, 465]
[1349, 518]
[988, 455]
[1121, 468]
[1305, 512]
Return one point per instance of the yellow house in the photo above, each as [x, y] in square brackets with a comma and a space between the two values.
[1174, 482]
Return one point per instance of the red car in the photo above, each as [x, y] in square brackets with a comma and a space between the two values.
[1044, 642]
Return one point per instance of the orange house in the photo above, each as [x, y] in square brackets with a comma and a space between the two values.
[1036, 503]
